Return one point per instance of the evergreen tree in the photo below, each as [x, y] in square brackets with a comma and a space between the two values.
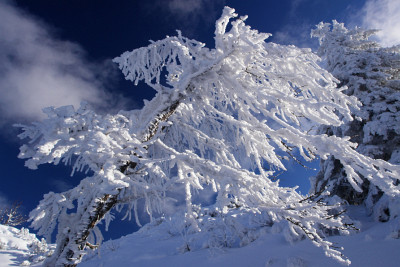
[221, 124]
[372, 74]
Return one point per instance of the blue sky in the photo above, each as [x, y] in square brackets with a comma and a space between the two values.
[56, 53]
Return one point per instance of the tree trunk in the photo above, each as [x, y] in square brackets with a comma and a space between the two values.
[70, 250]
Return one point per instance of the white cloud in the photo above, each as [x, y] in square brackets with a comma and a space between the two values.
[191, 14]
[37, 70]
[184, 6]
[296, 34]
[60, 185]
[297, 31]
[385, 16]
[3, 202]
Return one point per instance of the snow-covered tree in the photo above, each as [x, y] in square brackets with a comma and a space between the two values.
[221, 124]
[12, 216]
[372, 74]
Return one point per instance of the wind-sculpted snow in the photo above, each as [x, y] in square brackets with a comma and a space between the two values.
[221, 121]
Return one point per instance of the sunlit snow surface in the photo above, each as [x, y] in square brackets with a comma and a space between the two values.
[373, 246]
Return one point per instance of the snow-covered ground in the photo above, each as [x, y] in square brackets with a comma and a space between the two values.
[373, 246]
[18, 247]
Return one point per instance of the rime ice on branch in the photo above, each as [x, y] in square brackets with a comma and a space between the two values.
[221, 122]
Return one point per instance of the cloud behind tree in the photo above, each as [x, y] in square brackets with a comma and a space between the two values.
[383, 15]
[38, 70]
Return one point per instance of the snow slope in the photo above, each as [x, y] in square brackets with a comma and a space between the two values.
[372, 246]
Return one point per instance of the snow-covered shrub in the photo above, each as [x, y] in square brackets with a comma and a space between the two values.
[3, 244]
[11, 216]
[38, 247]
